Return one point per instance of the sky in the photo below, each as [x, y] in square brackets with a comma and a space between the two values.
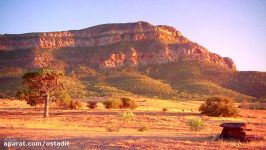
[232, 28]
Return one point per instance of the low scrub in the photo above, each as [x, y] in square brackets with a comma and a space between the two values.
[165, 109]
[75, 104]
[123, 119]
[219, 107]
[127, 116]
[143, 128]
[91, 104]
[196, 124]
[113, 126]
[122, 103]
[128, 103]
[113, 104]
[63, 104]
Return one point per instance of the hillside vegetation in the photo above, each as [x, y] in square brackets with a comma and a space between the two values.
[141, 84]
[185, 80]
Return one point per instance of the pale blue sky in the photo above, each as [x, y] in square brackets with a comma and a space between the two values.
[233, 28]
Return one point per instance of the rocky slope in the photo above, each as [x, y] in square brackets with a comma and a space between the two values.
[167, 44]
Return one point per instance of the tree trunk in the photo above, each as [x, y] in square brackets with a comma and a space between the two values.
[46, 107]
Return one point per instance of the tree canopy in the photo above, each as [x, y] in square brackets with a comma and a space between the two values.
[45, 86]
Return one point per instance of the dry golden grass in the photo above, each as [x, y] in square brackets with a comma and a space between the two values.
[86, 129]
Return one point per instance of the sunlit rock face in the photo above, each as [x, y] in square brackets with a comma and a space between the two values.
[161, 44]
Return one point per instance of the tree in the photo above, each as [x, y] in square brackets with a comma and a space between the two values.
[41, 86]
[33, 98]
[73, 86]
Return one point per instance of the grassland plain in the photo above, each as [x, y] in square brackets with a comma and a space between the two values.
[86, 129]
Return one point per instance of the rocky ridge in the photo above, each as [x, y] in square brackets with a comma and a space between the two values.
[166, 44]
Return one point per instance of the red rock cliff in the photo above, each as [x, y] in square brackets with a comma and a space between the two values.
[172, 46]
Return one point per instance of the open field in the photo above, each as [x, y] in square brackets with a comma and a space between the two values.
[87, 129]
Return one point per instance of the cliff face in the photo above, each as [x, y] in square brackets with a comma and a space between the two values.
[95, 36]
[162, 44]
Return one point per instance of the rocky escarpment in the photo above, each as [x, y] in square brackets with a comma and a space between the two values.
[95, 36]
[149, 44]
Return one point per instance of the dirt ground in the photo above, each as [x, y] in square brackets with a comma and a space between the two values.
[87, 129]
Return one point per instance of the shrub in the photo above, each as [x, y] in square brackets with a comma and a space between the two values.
[196, 124]
[165, 109]
[128, 103]
[120, 103]
[91, 104]
[115, 103]
[75, 105]
[127, 116]
[219, 106]
[113, 127]
[123, 118]
[63, 104]
[143, 128]
[64, 99]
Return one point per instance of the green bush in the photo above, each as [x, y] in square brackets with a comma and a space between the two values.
[128, 103]
[196, 124]
[91, 104]
[127, 116]
[64, 99]
[123, 119]
[75, 105]
[219, 107]
[62, 104]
